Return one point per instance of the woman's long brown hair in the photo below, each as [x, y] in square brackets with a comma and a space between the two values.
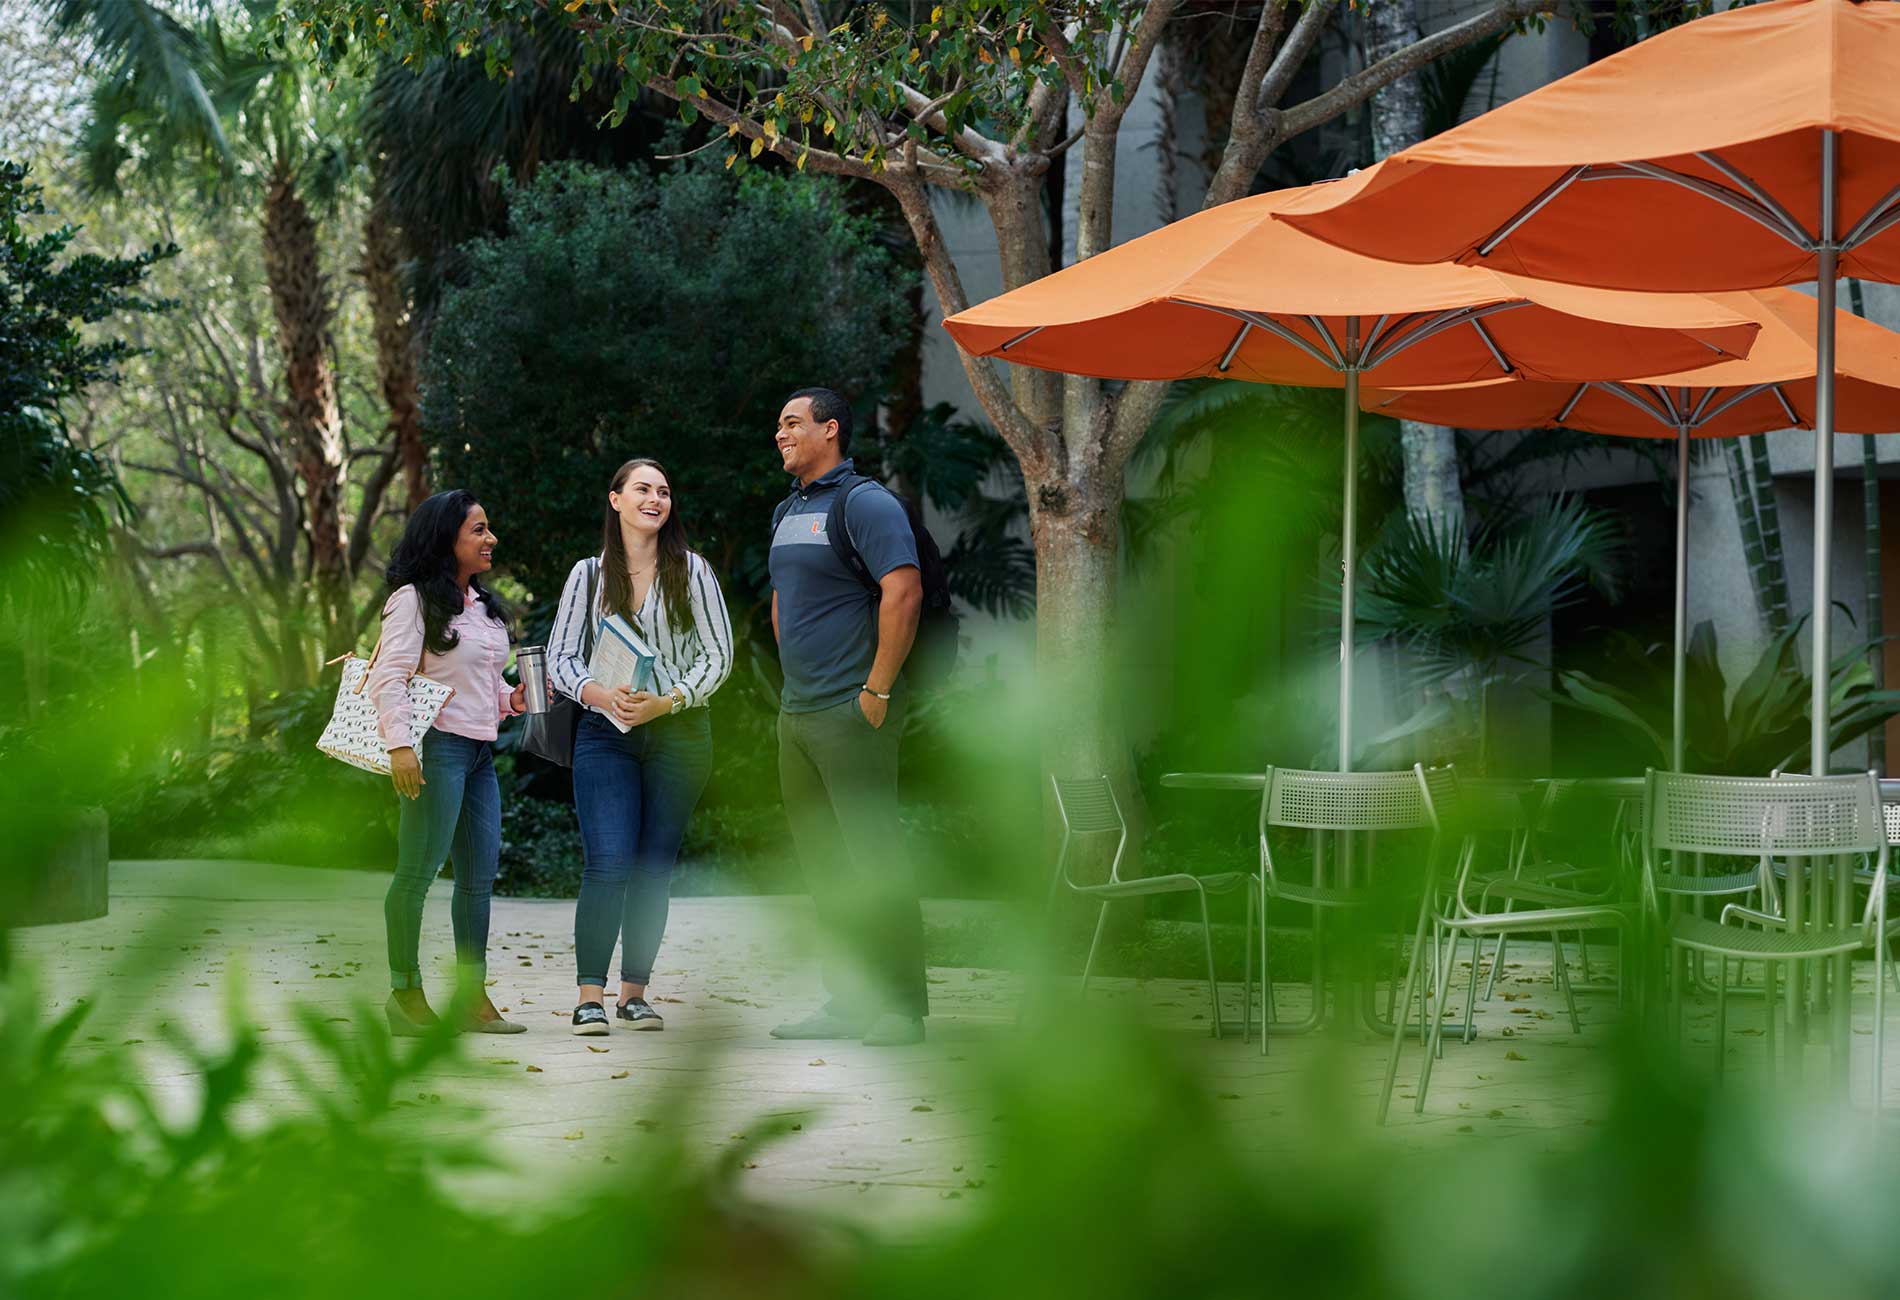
[617, 583]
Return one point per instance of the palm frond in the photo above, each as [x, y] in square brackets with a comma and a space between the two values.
[149, 58]
[1447, 82]
[994, 574]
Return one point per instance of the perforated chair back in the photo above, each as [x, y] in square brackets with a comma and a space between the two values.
[1088, 807]
[1889, 802]
[1786, 816]
[1345, 801]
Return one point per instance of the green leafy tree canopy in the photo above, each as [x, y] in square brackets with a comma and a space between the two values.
[627, 314]
[56, 498]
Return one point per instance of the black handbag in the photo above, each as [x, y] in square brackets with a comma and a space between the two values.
[550, 735]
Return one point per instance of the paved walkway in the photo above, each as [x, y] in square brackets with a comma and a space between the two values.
[906, 1126]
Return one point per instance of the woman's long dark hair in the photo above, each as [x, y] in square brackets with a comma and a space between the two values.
[426, 557]
[617, 583]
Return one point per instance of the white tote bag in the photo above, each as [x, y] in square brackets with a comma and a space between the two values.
[352, 736]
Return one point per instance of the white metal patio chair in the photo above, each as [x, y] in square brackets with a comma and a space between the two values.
[1088, 808]
[1791, 818]
[1472, 815]
[1537, 878]
[1367, 803]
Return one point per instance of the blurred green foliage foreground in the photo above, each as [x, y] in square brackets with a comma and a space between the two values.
[1113, 1173]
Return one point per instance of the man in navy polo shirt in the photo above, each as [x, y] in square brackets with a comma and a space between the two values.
[842, 712]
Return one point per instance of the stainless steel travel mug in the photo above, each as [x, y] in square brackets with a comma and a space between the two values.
[531, 666]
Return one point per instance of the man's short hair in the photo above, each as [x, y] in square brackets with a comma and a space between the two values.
[828, 404]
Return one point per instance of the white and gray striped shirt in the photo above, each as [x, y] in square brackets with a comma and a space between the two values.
[696, 659]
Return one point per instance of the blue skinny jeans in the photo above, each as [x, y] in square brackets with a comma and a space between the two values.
[457, 816]
[633, 794]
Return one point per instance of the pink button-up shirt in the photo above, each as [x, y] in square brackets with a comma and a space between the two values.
[481, 700]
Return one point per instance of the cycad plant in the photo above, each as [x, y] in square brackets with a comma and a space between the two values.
[1760, 726]
[1470, 614]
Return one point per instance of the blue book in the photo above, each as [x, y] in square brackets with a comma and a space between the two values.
[622, 657]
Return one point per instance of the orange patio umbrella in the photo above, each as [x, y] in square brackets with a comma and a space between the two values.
[1756, 147]
[1233, 292]
[1773, 388]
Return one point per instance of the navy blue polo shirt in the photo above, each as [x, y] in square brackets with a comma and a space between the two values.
[827, 619]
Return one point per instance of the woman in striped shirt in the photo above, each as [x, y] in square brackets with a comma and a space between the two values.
[641, 758]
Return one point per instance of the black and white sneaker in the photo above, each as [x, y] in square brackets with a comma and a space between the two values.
[590, 1020]
[634, 1013]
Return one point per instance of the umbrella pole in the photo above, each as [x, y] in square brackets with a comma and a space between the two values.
[1680, 665]
[1826, 267]
[1349, 579]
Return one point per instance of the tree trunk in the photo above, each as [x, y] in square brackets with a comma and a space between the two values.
[300, 298]
[1076, 529]
[1434, 493]
[395, 348]
[1022, 244]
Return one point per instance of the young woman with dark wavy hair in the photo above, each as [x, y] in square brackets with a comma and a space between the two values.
[441, 621]
[636, 783]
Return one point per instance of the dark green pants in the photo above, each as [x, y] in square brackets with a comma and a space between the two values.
[838, 774]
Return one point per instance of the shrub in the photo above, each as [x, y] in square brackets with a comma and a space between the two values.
[627, 313]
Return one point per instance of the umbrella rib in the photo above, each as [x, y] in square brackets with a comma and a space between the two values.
[1884, 209]
[1028, 333]
[1262, 321]
[1530, 210]
[1746, 206]
[1436, 324]
[1786, 406]
[1755, 190]
[1571, 405]
[1740, 395]
[1496, 355]
[1326, 337]
[1879, 226]
[1372, 337]
[1708, 395]
[1227, 357]
[1637, 399]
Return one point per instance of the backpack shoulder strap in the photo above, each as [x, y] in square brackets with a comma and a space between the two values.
[593, 608]
[838, 530]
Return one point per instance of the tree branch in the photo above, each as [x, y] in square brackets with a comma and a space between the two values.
[1286, 63]
[1048, 104]
[1073, 73]
[1364, 84]
[1266, 39]
[1134, 410]
[1134, 65]
[932, 167]
[173, 551]
[1015, 427]
[372, 504]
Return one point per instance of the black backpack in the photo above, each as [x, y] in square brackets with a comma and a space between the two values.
[933, 656]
